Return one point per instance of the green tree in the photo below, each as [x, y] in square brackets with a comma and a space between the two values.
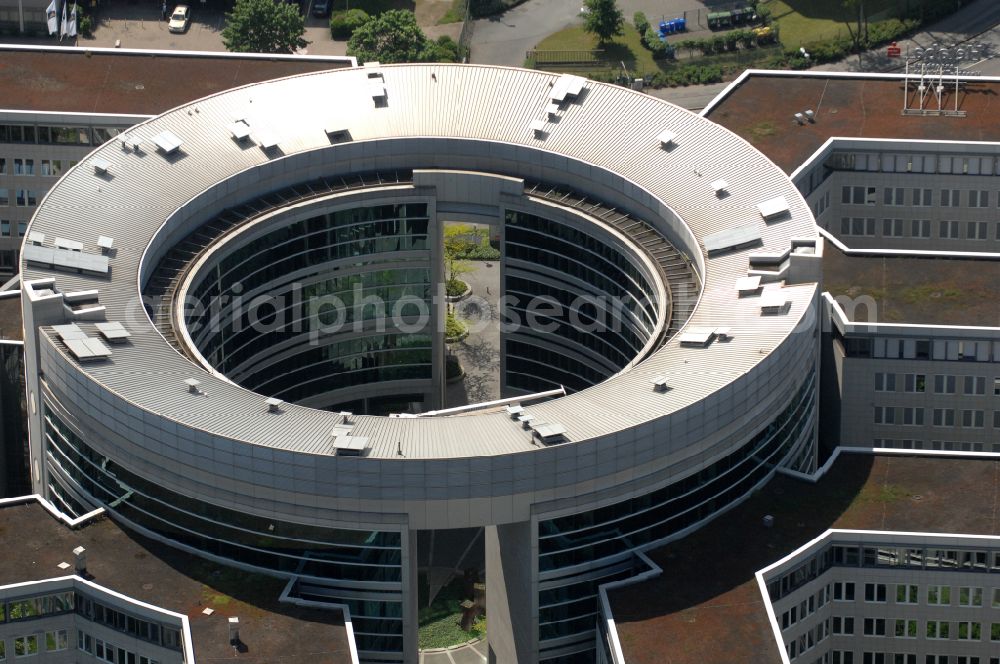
[392, 36]
[456, 245]
[855, 9]
[264, 26]
[603, 19]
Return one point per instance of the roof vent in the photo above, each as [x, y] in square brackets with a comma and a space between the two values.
[192, 384]
[167, 142]
[113, 331]
[87, 348]
[732, 238]
[748, 285]
[515, 410]
[773, 303]
[720, 187]
[101, 166]
[69, 332]
[349, 445]
[697, 336]
[538, 127]
[36, 238]
[548, 433]
[80, 561]
[63, 259]
[773, 208]
[234, 631]
[68, 245]
[552, 110]
[105, 243]
[567, 85]
[526, 420]
[667, 138]
[267, 139]
[660, 384]
[240, 130]
[347, 415]
[337, 134]
[274, 405]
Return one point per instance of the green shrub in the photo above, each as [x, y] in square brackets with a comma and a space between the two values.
[651, 40]
[481, 253]
[453, 328]
[444, 49]
[344, 23]
[84, 23]
[640, 22]
[455, 287]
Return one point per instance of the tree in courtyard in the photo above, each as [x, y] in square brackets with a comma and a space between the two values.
[264, 26]
[456, 246]
[392, 36]
[855, 10]
[603, 19]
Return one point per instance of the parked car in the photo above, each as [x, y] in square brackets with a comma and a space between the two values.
[321, 8]
[180, 19]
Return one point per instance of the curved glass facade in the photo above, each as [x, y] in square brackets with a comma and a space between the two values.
[581, 551]
[325, 555]
[592, 329]
[327, 326]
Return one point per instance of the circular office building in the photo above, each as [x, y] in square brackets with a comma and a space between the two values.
[235, 320]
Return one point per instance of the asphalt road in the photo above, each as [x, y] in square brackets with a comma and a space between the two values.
[505, 39]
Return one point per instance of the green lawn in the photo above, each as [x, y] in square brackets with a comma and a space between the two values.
[454, 14]
[805, 21]
[628, 48]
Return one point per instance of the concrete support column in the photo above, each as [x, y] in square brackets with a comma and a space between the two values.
[511, 606]
[410, 639]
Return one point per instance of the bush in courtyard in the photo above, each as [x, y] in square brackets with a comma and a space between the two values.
[344, 23]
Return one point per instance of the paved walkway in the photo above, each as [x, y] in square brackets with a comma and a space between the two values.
[474, 653]
[479, 353]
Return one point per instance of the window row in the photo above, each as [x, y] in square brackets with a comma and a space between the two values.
[922, 349]
[917, 228]
[946, 445]
[104, 651]
[50, 135]
[5, 228]
[943, 383]
[26, 646]
[914, 163]
[22, 197]
[918, 197]
[916, 557]
[940, 417]
[847, 657]
[46, 167]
